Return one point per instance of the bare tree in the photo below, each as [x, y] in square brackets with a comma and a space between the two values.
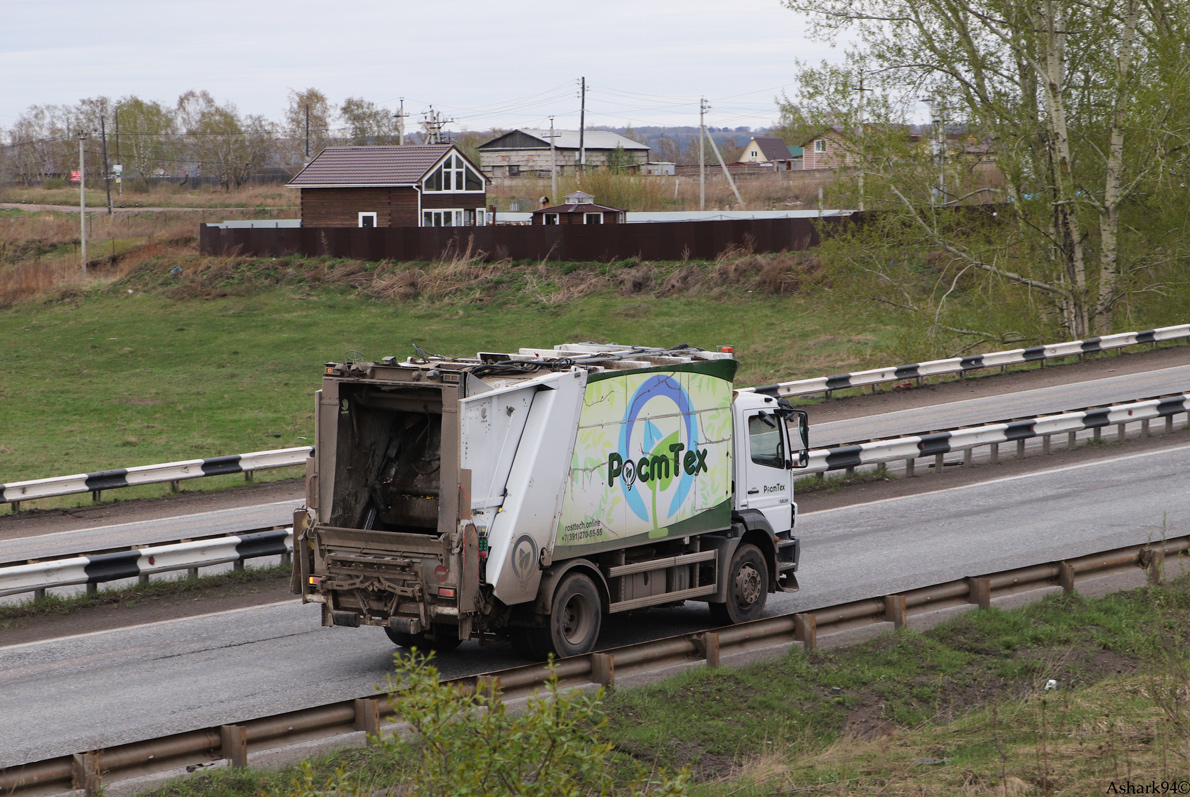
[223, 144]
[1063, 95]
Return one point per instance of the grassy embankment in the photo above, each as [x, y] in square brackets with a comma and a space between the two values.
[961, 709]
[134, 365]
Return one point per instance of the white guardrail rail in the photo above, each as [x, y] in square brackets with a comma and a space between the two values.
[98, 568]
[958, 365]
[95, 483]
[94, 569]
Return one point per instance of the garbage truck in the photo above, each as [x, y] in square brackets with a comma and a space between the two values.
[530, 495]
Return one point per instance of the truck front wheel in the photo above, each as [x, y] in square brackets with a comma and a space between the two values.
[747, 588]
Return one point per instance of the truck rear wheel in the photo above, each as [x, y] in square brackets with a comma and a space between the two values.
[572, 627]
[747, 588]
[443, 642]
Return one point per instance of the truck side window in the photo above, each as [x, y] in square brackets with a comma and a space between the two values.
[764, 441]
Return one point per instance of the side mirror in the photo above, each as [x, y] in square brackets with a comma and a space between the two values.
[801, 421]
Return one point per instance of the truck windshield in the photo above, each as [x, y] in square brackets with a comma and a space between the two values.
[764, 441]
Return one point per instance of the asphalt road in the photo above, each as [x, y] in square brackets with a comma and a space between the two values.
[105, 688]
[1021, 404]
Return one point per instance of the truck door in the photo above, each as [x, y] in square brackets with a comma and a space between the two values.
[768, 482]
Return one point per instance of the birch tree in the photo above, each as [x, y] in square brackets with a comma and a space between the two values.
[1082, 105]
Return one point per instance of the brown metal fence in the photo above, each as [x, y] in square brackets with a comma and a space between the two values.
[702, 240]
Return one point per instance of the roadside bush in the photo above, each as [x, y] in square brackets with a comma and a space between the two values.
[467, 742]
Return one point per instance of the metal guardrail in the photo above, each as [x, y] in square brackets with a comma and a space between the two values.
[98, 568]
[937, 445]
[89, 770]
[961, 365]
[97, 482]
[174, 472]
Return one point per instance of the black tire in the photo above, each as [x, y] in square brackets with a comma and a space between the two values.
[747, 588]
[444, 642]
[576, 616]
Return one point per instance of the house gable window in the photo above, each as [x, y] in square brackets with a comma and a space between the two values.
[820, 145]
[454, 175]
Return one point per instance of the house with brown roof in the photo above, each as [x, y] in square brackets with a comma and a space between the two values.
[772, 151]
[429, 185]
[579, 208]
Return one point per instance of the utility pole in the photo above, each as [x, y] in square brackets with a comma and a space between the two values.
[83, 199]
[582, 125]
[107, 179]
[553, 166]
[400, 117]
[726, 173]
[119, 163]
[702, 158]
[433, 125]
[307, 159]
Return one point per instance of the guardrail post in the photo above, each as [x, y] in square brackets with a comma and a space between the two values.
[895, 610]
[92, 587]
[39, 594]
[1120, 432]
[1152, 561]
[980, 592]
[367, 716]
[909, 463]
[1045, 444]
[603, 669]
[994, 457]
[805, 629]
[968, 457]
[1066, 576]
[86, 773]
[939, 463]
[1097, 434]
[248, 476]
[286, 559]
[238, 566]
[708, 646]
[1168, 429]
[95, 495]
[175, 486]
[234, 742]
[1020, 448]
[16, 505]
[1144, 428]
[1071, 439]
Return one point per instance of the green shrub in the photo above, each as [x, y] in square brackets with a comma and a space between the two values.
[467, 742]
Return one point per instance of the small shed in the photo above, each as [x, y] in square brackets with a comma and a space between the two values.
[579, 208]
[430, 185]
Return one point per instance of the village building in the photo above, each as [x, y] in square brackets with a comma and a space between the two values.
[429, 185]
[579, 208]
[526, 152]
[772, 151]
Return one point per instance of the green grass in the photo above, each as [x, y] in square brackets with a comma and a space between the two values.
[122, 375]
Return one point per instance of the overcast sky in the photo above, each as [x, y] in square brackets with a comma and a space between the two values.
[481, 62]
